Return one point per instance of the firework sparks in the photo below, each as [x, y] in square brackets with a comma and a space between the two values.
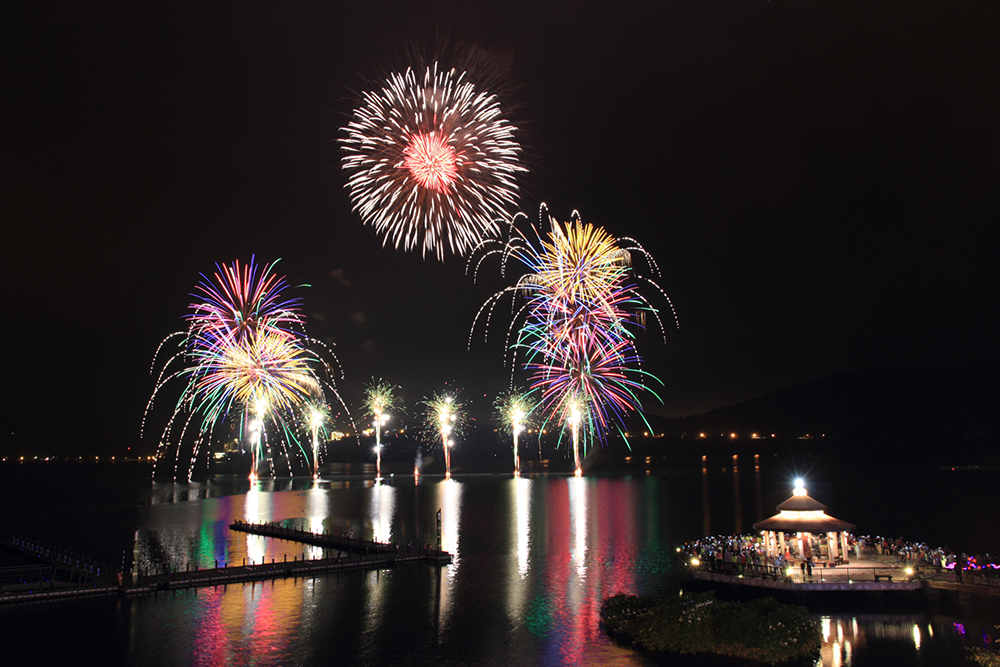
[243, 300]
[514, 412]
[243, 355]
[444, 418]
[316, 414]
[380, 402]
[432, 163]
[581, 308]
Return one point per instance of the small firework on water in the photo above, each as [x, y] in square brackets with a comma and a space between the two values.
[514, 413]
[380, 402]
[316, 414]
[444, 418]
[431, 162]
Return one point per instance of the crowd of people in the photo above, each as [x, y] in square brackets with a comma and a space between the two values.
[750, 549]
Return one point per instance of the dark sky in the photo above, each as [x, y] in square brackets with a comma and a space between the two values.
[818, 182]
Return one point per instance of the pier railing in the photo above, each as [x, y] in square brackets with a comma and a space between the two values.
[981, 577]
[67, 564]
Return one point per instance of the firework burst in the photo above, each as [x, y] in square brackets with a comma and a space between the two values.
[243, 360]
[576, 326]
[431, 162]
[244, 299]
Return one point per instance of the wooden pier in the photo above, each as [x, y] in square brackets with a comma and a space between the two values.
[281, 569]
[62, 574]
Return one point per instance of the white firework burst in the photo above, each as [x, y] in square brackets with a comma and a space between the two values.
[432, 162]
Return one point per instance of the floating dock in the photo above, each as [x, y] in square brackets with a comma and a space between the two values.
[326, 540]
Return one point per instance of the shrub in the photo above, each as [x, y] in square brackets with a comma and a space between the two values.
[762, 630]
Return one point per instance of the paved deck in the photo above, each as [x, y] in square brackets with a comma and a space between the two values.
[870, 573]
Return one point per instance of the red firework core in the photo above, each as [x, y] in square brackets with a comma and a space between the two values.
[431, 161]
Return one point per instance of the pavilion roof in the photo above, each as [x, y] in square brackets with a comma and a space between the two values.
[813, 524]
[802, 514]
[801, 504]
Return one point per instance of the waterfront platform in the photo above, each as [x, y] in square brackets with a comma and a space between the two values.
[871, 573]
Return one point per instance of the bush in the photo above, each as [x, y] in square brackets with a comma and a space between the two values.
[762, 630]
[987, 657]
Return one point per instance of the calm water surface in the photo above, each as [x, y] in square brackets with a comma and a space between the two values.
[533, 560]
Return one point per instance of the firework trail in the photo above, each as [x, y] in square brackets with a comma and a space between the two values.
[245, 359]
[444, 419]
[431, 162]
[514, 413]
[380, 401]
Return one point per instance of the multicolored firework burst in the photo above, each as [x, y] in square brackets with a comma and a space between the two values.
[244, 299]
[581, 306]
[245, 357]
[380, 402]
[514, 413]
[432, 162]
[444, 419]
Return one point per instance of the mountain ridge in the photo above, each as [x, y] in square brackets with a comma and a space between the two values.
[944, 413]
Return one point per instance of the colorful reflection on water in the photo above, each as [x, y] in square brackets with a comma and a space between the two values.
[534, 557]
[542, 552]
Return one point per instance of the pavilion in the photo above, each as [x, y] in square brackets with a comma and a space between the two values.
[816, 534]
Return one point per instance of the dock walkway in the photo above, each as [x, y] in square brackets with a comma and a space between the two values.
[62, 574]
[232, 574]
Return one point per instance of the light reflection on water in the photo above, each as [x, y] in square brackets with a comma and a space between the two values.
[534, 559]
[554, 565]
[450, 503]
[845, 636]
[517, 570]
[381, 510]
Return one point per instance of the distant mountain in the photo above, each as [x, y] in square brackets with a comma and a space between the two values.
[945, 415]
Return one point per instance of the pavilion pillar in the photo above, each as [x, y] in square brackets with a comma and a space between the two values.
[802, 547]
[831, 544]
[781, 542]
[843, 543]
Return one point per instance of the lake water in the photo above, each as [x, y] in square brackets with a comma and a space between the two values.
[533, 560]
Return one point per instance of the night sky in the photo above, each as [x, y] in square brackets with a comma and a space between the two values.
[819, 183]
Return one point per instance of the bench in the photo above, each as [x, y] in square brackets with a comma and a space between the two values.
[882, 576]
